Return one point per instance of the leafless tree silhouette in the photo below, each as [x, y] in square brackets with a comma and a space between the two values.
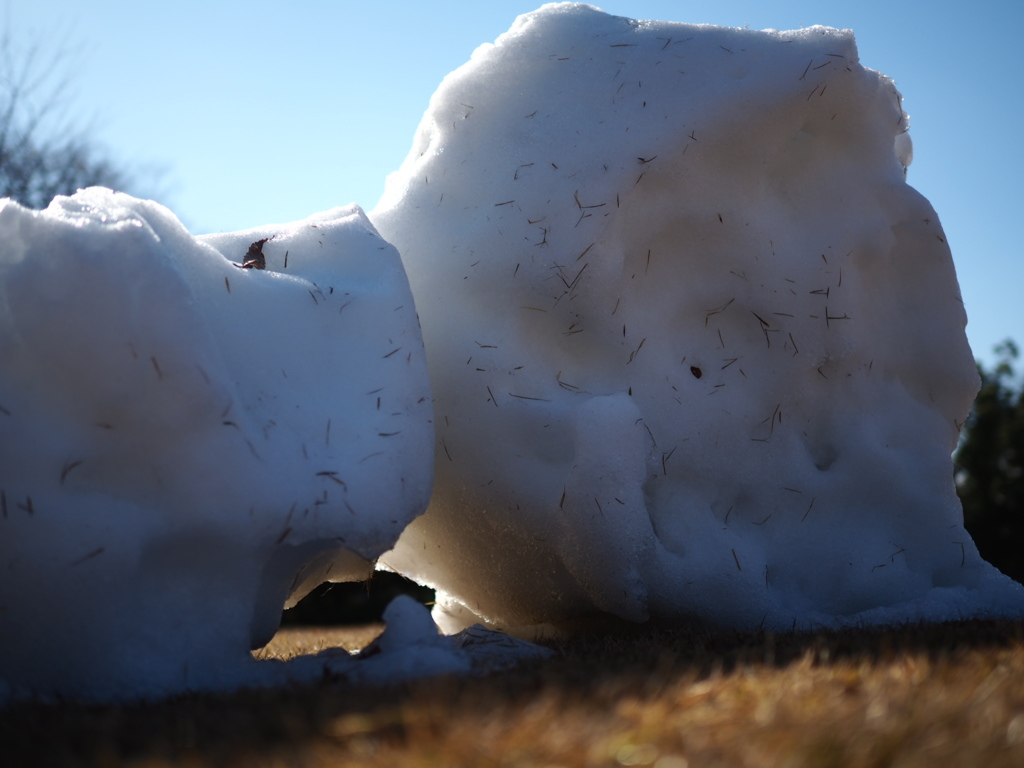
[43, 150]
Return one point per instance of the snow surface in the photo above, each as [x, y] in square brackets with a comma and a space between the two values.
[187, 445]
[697, 349]
[696, 352]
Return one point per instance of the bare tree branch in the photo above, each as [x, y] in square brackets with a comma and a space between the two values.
[42, 155]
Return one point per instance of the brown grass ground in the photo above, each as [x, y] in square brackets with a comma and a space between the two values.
[950, 695]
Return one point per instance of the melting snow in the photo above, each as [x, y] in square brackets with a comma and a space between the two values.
[697, 349]
[188, 444]
[696, 352]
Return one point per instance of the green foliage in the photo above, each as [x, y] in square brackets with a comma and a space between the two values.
[990, 466]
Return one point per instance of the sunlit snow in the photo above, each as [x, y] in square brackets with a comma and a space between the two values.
[695, 349]
[189, 444]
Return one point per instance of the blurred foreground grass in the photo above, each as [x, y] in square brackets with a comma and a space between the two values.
[947, 695]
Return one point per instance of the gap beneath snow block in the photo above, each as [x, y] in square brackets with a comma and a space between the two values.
[347, 603]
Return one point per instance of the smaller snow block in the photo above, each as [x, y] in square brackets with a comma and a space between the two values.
[411, 647]
[194, 432]
[697, 348]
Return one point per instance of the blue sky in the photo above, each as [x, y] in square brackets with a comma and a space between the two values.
[264, 112]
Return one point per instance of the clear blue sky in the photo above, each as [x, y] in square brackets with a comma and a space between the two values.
[266, 112]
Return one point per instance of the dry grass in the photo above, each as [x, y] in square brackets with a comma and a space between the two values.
[949, 695]
[292, 642]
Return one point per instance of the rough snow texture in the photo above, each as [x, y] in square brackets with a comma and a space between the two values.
[187, 445]
[696, 347]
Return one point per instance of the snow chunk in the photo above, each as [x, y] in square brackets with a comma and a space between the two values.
[187, 445]
[697, 349]
[411, 647]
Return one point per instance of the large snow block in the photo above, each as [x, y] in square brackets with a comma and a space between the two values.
[697, 349]
[193, 432]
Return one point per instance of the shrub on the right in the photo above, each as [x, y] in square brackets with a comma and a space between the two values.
[990, 465]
